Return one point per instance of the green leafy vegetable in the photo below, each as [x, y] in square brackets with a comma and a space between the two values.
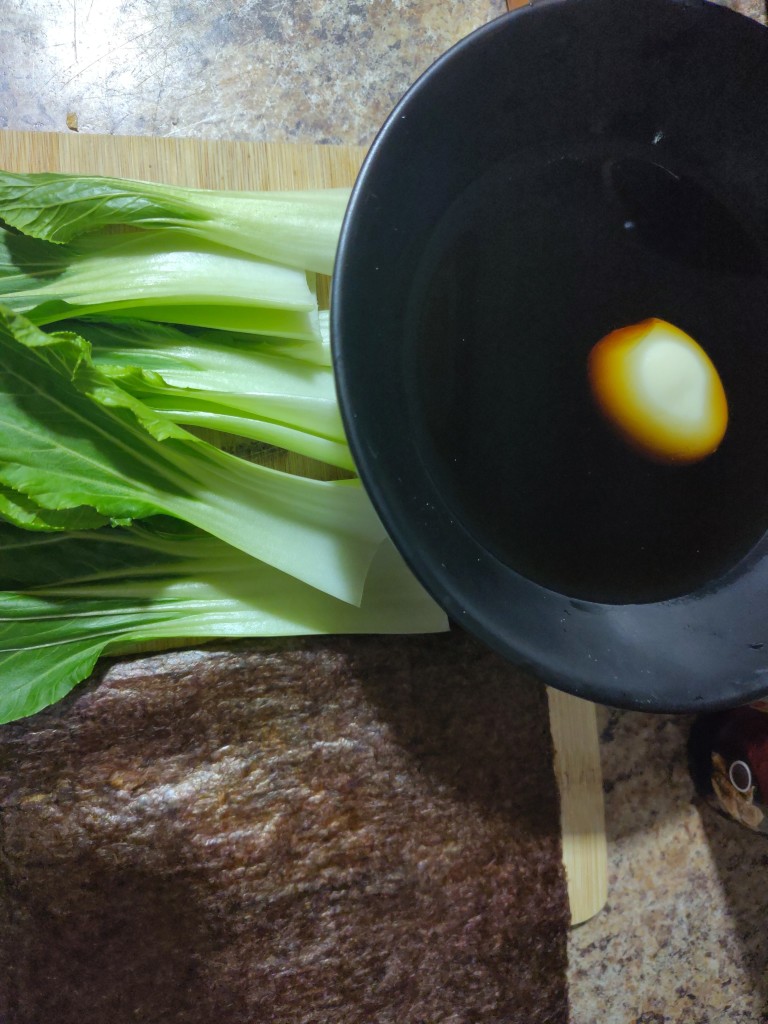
[130, 312]
[68, 598]
[211, 379]
[296, 229]
[69, 437]
[19, 509]
[158, 277]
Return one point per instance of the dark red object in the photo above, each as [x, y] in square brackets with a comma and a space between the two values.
[729, 762]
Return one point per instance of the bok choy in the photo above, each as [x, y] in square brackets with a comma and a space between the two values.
[69, 598]
[296, 229]
[157, 277]
[70, 437]
[210, 379]
[145, 330]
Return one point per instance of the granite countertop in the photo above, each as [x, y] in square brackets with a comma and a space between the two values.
[683, 937]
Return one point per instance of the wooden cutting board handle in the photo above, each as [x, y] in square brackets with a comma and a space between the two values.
[573, 724]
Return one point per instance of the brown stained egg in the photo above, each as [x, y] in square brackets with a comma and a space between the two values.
[660, 390]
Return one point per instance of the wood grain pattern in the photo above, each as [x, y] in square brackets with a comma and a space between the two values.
[255, 165]
[193, 162]
[573, 724]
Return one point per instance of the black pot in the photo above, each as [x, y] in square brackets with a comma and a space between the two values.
[571, 168]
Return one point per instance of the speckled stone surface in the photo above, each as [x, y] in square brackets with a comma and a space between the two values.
[756, 9]
[278, 70]
[684, 938]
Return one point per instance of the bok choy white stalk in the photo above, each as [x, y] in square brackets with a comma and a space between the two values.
[158, 277]
[210, 379]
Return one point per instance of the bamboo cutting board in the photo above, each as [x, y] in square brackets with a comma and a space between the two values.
[236, 165]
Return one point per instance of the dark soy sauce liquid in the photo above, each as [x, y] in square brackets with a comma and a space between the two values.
[524, 274]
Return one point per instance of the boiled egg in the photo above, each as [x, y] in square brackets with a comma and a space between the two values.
[660, 391]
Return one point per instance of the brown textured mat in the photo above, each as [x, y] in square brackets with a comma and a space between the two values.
[348, 830]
